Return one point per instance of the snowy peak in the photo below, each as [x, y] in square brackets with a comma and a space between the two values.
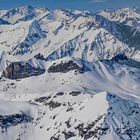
[123, 15]
[24, 13]
[123, 24]
[34, 34]
[60, 33]
[20, 37]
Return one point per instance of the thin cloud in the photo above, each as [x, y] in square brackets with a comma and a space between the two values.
[97, 1]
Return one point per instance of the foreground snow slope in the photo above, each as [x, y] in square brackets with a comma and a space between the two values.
[67, 74]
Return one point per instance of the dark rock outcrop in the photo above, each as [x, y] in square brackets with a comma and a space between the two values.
[91, 130]
[53, 104]
[42, 99]
[39, 56]
[18, 70]
[75, 93]
[13, 120]
[120, 57]
[3, 22]
[69, 134]
[64, 67]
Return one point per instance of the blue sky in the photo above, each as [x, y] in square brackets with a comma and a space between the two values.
[91, 5]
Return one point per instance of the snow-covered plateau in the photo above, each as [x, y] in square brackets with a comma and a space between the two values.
[69, 75]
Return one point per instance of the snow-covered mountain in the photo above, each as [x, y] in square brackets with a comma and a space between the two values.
[68, 74]
[24, 13]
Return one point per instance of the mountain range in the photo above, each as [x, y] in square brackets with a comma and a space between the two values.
[69, 74]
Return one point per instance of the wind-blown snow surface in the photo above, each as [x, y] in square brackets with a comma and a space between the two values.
[69, 74]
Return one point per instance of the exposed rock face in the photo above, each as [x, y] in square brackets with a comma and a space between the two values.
[13, 120]
[17, 70]
[4, 22]
[64, 67]
[39, 56]
[74, 93]
[120, 57]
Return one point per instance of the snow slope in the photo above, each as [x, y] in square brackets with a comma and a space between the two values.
[68, 74]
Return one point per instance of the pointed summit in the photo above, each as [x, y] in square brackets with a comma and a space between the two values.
[23, 13]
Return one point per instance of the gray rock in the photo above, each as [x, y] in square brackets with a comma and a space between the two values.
[18, 70]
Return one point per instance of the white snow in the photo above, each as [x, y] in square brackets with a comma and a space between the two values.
[106, 92]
